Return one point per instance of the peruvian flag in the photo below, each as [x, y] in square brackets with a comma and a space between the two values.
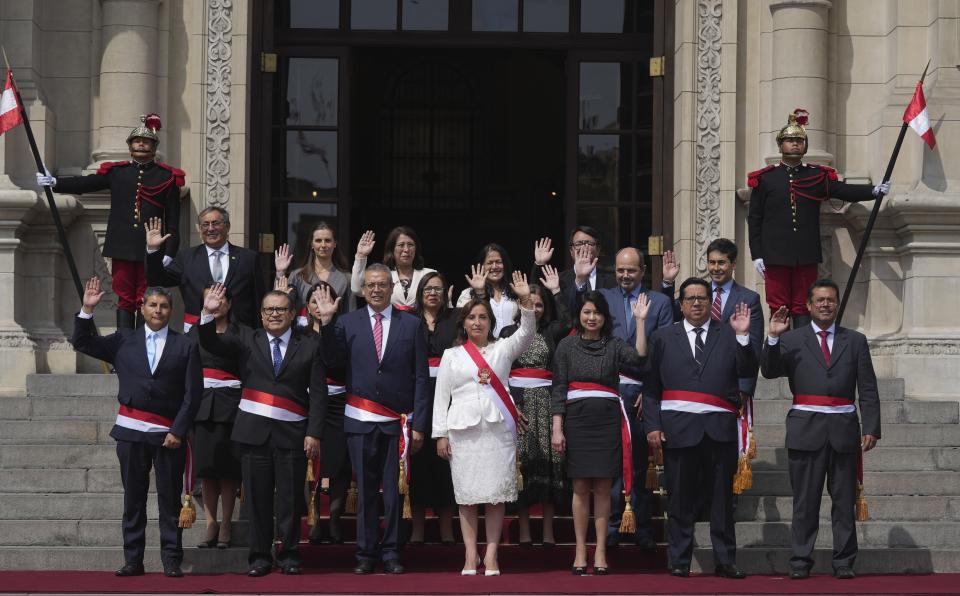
[918, 118]
[10, 114]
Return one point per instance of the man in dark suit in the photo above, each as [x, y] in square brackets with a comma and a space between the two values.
[161, 382]
[196, 267]
[690, 403]
[384, 351]
[279, 423]
[629, 268]
[584, 242]
[828, 366]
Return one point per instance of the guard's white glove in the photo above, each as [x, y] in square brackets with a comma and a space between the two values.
[760, 267]
[881, 189]
[46, 179]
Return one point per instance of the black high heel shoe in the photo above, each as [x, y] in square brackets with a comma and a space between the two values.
[601, 570]
[578, 570]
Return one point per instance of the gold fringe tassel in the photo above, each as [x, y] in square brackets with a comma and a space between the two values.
[312, 511]
[863, 512]
[188, 513]
[519, 476]
[743, 480]
[407, 510]
[652, 476]
[310, 477]
[658, 457]
[350, 506]
[752, 449]
[402, 481]
[628, 523]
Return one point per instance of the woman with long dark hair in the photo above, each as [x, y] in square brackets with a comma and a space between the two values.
[323, 262]
[430, 481]
[402, 254]
[489, 280]
[589, 422]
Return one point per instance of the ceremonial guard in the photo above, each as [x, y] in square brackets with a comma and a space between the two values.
[140, 189]
[829, 367]
[784, 218]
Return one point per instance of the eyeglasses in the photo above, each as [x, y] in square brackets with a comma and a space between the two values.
[274, 310]
[379, 285]
[582, 243]
[692, 299]
[211, 224]
[433, 290]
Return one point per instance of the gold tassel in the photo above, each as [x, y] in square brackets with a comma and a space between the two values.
[352, 495]
[519, 476]
[310, 477]
[863, 512]
[628, 523]
[402, 481]
[743, 480]
[658, 457]
[407, 510]
[752, 449]
[188, 513]
[652, 477]
[312, 511]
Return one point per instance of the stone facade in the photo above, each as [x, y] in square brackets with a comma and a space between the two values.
[88, 68]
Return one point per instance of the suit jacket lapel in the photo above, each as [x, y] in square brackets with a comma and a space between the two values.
[203, 264]
[140, 337]
[232, 267]
[291, 349]
[167, 347]
[391, 338]
[262, 340]
[839, 345]
[713, 337]
[732, 300]
[683, 343]
[813, 344]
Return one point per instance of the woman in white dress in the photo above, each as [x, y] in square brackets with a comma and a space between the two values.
[402, 254]
[489, 281]
[475, 421]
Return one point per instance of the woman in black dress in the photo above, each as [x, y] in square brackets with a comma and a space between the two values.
[214, 459]
[335, 469]
[430, 481]
[530, 383]
[588, 418]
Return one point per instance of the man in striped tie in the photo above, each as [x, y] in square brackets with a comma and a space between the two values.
[161, 383]
[690, 404]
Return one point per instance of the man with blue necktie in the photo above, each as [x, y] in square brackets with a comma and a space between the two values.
[161, 382]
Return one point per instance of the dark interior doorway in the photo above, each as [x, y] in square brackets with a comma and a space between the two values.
[465, 146]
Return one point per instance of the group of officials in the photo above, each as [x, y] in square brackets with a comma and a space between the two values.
[705, 347]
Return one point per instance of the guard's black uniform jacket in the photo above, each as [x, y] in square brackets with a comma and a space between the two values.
[138, 192]
[784, 216]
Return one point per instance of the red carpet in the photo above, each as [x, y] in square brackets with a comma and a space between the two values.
[548, 582]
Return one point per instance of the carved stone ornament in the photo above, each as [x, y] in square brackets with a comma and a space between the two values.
[709, 13]
[216, 163]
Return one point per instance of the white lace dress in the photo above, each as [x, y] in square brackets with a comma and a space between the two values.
[483, 447]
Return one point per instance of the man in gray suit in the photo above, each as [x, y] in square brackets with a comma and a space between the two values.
[827, 366]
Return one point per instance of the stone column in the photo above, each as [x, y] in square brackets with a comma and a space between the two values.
[800, 69]
[128, 72]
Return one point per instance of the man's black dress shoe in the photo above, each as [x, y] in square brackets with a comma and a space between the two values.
[646, 544]
[291, 569]
[129, 570]
[259, 569]
[844, 573]
[729, 571]
[393, 567]
[363, 568]
[172, 570]
[799, 573]
[680, 571]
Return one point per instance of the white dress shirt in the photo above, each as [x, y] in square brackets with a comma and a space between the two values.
[387, 315]
[284, 342]
[224, 258]
[504, 310]
[161, 340]
[743, 340]
[831, 332]
[723, 295]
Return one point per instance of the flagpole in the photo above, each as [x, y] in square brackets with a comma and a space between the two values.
[873, 216]
[54, 212]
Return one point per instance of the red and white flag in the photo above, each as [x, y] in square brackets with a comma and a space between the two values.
[918, 118]
[10, 114]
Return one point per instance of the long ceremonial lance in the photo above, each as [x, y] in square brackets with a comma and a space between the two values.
[53, 205]
[873, 216]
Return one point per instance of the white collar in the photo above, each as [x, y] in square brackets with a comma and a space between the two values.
[387, 312]
[161, 333]
[688, 327]
[225, 249]
[831, 330]
[284, 339]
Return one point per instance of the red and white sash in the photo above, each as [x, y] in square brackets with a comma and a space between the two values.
[189, 321]
[214, 377]
[494, 388]
[530, 377]
[628, 380]
[303, 320]
[823, 404]
[143, 421]
[578, 390]
[272, 406]
[335, 387]
[434, 364]
[365, 410]
[744, 424]
[694, 402]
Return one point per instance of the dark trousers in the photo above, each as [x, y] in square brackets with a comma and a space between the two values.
[808, 470]
[136, 459]
[375, 457]
[707, 466]
[641, 498]
[267, 468]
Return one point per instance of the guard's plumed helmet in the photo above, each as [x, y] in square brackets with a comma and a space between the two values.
[795, 126]
[148, 129]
